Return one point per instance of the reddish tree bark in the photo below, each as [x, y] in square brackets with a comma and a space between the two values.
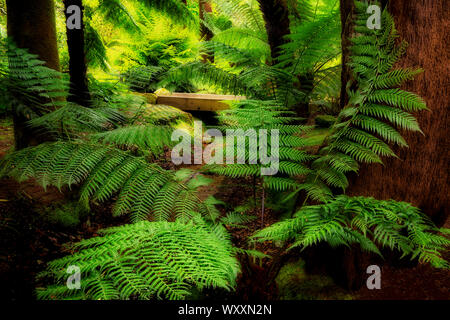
[420, 175]
[31, 24]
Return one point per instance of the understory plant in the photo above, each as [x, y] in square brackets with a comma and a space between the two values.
[145, 260]
[370, 223]
[175, 242]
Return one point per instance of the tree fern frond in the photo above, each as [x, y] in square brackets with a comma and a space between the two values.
[146, 260]
[102, 172]
[365, 221]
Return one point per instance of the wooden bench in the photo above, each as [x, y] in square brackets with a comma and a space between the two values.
[197, 102]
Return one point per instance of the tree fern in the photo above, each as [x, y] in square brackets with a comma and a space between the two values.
[28, 87]
[244, 14]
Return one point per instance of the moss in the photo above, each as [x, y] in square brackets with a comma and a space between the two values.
[66, 215]
[295, 284]
[324, 121]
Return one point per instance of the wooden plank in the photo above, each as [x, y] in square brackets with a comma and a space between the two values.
[197, 102]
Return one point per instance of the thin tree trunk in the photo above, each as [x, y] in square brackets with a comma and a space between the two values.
[347, 8]
[79, 90]
[205, 34]
[31, 24]
[276, 18]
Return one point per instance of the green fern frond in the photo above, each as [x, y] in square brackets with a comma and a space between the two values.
[371, 223]
[361, 133]
[102, 172]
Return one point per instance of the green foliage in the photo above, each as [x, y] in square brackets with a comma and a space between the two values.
[73, 120]
[312, 44]
[116, 12]
[39, 93]
[242, 61]
[324, 121]
[98, 147]
[174, 9]
[95, 48]
[150, 139]
[294, 283]
[147, 260]
[243, 14]
[373, 224]
[67, 215]
[155, 58]
[144, 190]
[361, 132]
[164, 115]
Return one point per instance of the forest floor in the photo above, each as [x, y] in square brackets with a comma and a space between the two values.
[29, 239]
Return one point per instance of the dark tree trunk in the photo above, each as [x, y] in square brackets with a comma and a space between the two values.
[79, 90]
[305, 85]
[276, 17]
[205, 34]
[31, 24]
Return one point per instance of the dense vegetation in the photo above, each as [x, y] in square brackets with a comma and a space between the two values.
[95, 135]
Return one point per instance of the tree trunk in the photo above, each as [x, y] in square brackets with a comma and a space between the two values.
[420, 175]
[276, 17]
[79, 90]
[347, 17]
[205, 34]
[31, 24]
[347, 8]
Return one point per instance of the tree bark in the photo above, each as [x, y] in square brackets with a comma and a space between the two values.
[276, 18]
[420, 175]
[31, 24]
[79, 90]
[205, 34]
